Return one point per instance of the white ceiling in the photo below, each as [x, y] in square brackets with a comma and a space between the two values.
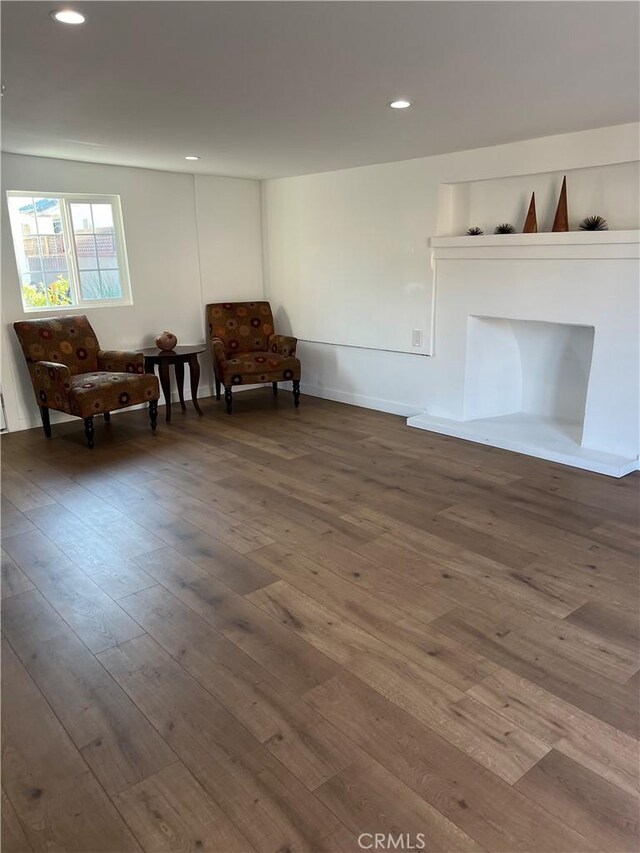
[265, 89]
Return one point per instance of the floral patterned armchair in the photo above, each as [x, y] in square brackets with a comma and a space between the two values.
[70, 372]
[246, 351]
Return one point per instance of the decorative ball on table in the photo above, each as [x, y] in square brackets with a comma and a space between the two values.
[475, 232]
[594, 223]
[504, 228]
[166, 341]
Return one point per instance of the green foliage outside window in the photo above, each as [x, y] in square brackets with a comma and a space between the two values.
[57, 293]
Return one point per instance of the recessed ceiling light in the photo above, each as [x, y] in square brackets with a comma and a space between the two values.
[192, 157]
[68, 16]
[400, 104]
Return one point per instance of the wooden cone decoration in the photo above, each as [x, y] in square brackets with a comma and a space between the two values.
[531, 222]
[561, 222]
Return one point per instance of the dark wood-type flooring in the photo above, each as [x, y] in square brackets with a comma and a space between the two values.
[278, 630]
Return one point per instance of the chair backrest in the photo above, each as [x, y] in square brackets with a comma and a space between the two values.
[242, 326]
[68, 339]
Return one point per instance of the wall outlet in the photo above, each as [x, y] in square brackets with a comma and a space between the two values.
[416, 338]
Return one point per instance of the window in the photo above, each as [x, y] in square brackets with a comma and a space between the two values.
[70, 250]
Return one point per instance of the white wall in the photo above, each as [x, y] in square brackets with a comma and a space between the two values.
[189, 241]
[229, 225]
[350, 245]
[367, 230]
[604, 190]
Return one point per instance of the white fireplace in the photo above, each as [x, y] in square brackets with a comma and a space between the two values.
[537, 346]
[527, 366]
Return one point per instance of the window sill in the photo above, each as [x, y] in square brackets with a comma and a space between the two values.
[87, 306]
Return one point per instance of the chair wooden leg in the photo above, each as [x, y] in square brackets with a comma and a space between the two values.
[88, 431]
[218, 387]
[227, 398]
[296, 392]
[46, 423]
[275, 389]
[153, 414]
[107, 417]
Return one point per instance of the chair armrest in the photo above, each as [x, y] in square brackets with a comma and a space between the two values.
[120, 361]
[51, 381]
[283, 344]
[219, 354]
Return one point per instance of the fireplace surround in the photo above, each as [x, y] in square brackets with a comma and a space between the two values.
[536, 346]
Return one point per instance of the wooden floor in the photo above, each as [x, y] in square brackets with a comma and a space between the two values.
[278, 630]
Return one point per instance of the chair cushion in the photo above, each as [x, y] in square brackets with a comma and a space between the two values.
[242, 326]
[94, 393]
[250, 367]
[68, 339]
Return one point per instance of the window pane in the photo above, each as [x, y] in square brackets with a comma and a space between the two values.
[36, 223]
[31, 259]
[111, 286]
[81, 218]
[52, 253]
[90, 287]
[22, 210]
[34, 295]
[102, 218]
[86, 252]
[58, 289]
[25, 231]
[55, 290]
[49, 216]
[100, 285]
[35, 279]
[97, 251]
[107, 253]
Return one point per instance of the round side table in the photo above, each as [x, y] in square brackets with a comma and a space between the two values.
[176, 357]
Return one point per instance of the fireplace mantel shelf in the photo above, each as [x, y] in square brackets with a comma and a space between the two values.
[559, 238]
[563, 244]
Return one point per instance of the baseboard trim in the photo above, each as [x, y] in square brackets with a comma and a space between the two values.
[364, 401]
[379, 404]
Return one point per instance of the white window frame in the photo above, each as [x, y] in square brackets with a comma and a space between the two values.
[69, 240]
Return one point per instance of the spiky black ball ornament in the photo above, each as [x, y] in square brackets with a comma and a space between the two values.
[505, 228]
[475, 232]
[594, 223]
